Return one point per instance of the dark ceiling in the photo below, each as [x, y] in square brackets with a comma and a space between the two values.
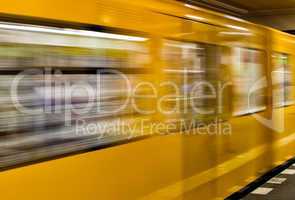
[256, 5]
[279, 14]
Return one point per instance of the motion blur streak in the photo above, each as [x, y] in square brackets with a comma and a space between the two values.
[56, 84]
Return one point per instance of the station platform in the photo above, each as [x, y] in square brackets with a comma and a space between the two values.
[280, 187]
[278, 184]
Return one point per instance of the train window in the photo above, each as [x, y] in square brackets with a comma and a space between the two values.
[194, 69]
[183, 67]
[247, 76]
[64, 90]
[282, 80]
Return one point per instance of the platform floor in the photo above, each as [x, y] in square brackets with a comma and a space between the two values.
[280, 187]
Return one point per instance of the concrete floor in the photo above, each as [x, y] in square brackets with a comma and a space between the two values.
[280, 187]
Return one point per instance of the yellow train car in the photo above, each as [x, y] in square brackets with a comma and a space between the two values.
[241, 129]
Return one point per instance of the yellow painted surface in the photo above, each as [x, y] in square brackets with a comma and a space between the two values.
[160, 167]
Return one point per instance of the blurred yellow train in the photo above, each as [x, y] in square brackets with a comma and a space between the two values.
[150, 99]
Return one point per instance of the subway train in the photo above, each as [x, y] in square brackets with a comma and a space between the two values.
[150, 99]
